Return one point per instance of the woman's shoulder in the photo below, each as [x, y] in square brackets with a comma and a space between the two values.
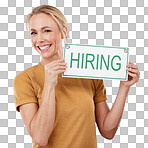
[29, 72]
[98, 82]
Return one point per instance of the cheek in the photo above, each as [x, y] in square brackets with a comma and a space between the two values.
[58, 40]
[54, 37]
[32, 41]
[51, 37]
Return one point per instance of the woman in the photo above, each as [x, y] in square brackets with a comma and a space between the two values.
[61, 112]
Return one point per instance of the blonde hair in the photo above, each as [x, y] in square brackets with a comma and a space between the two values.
[56, 14]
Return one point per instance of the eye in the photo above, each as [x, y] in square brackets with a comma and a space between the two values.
[33, 33]
[47, 31]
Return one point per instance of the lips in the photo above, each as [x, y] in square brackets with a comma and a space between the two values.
[44, 48]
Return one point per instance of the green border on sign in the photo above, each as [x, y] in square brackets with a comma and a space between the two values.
[91, 77]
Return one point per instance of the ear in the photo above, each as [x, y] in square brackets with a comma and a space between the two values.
[64, 34]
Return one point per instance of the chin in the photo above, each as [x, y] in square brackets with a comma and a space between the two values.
[46, 56]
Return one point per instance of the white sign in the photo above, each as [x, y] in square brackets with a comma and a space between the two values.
[96, 62]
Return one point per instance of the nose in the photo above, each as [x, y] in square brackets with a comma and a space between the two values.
[40, 38]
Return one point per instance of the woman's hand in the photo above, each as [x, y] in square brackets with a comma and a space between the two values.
[133, 75]
[52, 70]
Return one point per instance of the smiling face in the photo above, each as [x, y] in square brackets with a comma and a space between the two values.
[46, 37]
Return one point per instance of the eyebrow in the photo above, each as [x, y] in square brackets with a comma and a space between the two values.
[42, 28]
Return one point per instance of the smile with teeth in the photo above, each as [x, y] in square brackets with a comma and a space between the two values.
[44, 47]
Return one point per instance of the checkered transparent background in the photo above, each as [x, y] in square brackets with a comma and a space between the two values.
[96, 22]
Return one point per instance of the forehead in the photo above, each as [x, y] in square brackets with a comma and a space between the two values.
[40, 20]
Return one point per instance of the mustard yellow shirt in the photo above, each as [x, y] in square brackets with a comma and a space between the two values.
[74, 125]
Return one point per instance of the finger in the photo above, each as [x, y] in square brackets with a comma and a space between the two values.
[62, 60]
[132, 65]
[134, 76]
[58, 66]
[56, 70]
[59, 60]
[129, 62]
[56, 63]
[133, 71]
[60, 71]
[62, 64]
[51, 65]
[61, 67]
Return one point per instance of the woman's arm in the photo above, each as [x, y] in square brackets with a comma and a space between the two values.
[108, 120]
[39, 121]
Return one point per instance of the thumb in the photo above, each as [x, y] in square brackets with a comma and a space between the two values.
[129, 62]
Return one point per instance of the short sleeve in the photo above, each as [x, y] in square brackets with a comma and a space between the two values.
[100, 91]
[23, 90]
